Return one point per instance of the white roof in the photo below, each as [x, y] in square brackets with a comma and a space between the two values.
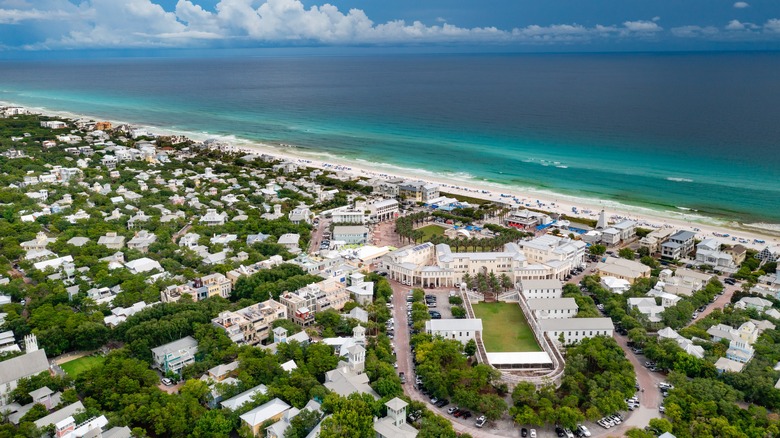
[289, 238]
[181, 344]
[265, 412]
[235, 402]
[519, 358]
[350, 229]
[552, 303]
[448, 325]
[541, 284]
[143, 264]
[576, 324]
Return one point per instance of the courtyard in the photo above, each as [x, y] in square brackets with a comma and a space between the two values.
[504, 328]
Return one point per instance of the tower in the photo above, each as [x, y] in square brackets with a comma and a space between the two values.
[30, 344]
[396, 411]
[280, 335]
[357, 358]
[359, 334]
[602, 223]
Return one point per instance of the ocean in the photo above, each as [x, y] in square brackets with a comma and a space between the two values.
[680, 132]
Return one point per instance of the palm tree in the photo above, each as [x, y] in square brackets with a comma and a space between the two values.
[468, 280]
[506, 282]
[493, 282]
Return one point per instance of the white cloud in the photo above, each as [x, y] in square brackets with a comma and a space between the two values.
[741, 5]
[772, 25]
[144, 23]
[642, 26]
[735, 25]
[694, 31]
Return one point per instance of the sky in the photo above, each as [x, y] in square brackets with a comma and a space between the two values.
[47, 26]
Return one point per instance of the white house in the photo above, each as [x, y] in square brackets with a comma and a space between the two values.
[679, 245]
[290, 241]
[553, 308]
[272, 410]
[394, 424]
[350, 234]
[458, 329]
[112, 241]
[615, 285]
[541, 289]
[708, 253]
[647, 307]
[212, 218]
[33, 362]
[301, 214]
[576, 329]
[175, 355]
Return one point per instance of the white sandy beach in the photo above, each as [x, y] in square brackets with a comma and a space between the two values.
[558, 204]
[704, 227]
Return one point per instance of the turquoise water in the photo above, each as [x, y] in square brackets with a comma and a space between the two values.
[662, 132]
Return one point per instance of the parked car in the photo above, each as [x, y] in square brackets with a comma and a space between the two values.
[466, 415]
[481, 421]
[568, 433]
[583, 430]
[559, 431]
[166, 381]
[402, 376]
[532, 434]
[523, 432]
[452, 410]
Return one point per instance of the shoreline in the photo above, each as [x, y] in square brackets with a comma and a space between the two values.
[703, 226]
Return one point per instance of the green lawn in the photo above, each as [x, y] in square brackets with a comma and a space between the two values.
[77, 366]
[504, 328]
[431, 230]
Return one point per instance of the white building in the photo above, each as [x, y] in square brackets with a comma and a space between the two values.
[547, 257]
[615, 285]
[708, 253]
[458, 329]
[394, 424]
[383, 210]
[142, 240]
[112, 241]
[541, 289]
[272, 410]
[628, 270]
[350, 234]
[212, 218]
[576, 329]
[175, 355]
[679, 245]
[349, 216]
[33, 362]
[301, 214]
[290, 241]
[553, 308]
[647, 307]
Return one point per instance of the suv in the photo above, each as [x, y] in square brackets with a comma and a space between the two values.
[166, 381]
[481, 421]
[402, 376]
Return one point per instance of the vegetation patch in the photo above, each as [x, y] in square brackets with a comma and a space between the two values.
[78, 366]
[504, 328]
[430, 231]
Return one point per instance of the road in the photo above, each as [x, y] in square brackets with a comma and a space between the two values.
[316, 238]
[649, 399]
[721, 301]
[403, 355]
